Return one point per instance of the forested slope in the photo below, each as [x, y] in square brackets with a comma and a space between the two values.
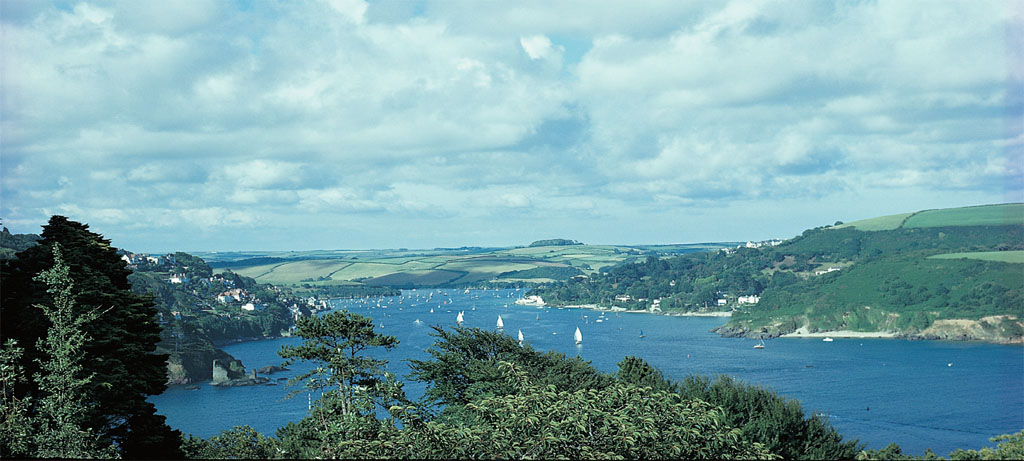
[842, 278]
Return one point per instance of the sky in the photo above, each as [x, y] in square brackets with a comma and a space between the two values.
[344, 124]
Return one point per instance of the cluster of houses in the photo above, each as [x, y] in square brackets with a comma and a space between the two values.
[751, 299]
[654, 307]
[763, 243]
[135, 259]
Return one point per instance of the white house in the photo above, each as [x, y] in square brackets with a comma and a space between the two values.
[252, 307]
[752, 299]
[830, 269]
[722, 301]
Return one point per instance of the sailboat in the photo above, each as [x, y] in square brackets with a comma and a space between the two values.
[459, 319]
[641, 333]
[578, 336]
[501, 324]
[759, 345]
[520, 337]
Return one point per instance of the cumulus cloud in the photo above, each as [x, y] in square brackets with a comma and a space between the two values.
[464, 118]
[540, 47]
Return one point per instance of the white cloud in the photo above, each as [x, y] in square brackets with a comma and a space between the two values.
[482, 113]
[353, 10]
[539, 47]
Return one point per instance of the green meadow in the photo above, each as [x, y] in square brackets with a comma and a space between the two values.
[983, 215]
[428, 268]
[1001, 256]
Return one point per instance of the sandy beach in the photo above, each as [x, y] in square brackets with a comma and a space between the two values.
[647, 311]
[701, 314]
[803, 333]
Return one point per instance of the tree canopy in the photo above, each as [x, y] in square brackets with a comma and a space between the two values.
[122, 338]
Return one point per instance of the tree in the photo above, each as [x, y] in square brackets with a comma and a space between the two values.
[62, 409]
[240, 442]
[120, 355]
[464, 367]
[352, 384]
[763, 416]
[618, 421]
[15, 422]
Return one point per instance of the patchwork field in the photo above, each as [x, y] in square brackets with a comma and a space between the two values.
[438, 267]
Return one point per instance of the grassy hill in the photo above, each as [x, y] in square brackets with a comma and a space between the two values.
[982, 215]
[438, 267]
[952, 274]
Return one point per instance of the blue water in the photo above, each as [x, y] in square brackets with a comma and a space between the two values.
[875, 390]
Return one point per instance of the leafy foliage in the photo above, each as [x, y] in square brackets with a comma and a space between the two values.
[761, 415]
[62, 410]
[1008, 446]
[119, 356]
[16, 425]
[353, 384]
[240, 442]
[619, 421]
[465, 361]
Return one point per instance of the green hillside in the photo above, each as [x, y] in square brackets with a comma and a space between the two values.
[890, 222]
[542, 261]
[951, 274]
[982, 215]
[986, 215]
[1004, 256]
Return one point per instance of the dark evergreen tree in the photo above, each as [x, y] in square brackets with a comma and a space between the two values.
[119, 355]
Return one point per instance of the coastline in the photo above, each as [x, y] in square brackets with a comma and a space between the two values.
[596, 307]
[803, 333]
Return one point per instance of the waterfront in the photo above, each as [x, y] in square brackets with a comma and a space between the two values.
[876, 390]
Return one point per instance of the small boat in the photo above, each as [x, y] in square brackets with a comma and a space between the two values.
[641, 333]
[431, 310]
[578, 336]
[459, 319]
[827, 340]
[759, 345]
[501, 325]
[520, 337]
[382, 324]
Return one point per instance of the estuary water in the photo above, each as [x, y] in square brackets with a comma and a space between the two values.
[920, 394]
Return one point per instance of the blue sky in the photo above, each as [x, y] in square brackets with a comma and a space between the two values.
[216, 125]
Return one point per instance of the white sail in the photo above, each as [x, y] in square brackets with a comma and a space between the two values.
[459, 318]
[520, 337]
[500, 323]
[578, 336]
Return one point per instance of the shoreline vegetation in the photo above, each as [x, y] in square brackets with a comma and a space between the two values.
[949, 274]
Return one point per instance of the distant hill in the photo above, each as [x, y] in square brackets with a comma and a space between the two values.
[447, 267]
[10, 244]
[554, 243]
[951, 274]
